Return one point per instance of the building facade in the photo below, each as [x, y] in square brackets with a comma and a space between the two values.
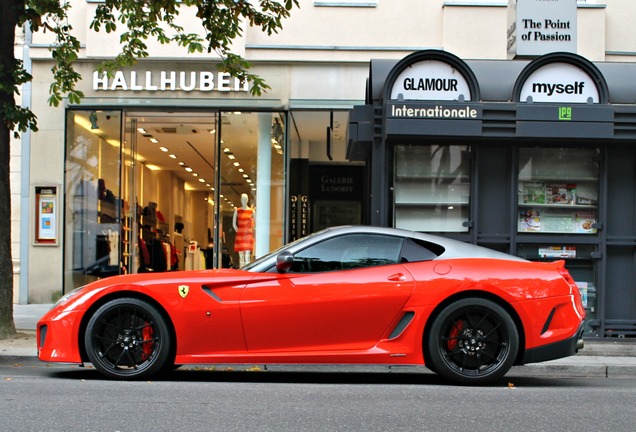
[147, 173]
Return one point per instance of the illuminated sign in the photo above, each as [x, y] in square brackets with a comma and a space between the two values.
[430, 80]
[160, 81]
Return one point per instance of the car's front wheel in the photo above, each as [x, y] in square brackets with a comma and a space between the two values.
[472, 341]
[127, 338]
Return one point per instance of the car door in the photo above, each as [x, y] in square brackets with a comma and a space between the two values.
[342, 294]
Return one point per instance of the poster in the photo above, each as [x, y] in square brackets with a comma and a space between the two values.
[46, 215]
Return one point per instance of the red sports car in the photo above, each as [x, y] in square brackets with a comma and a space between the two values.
[346, 295]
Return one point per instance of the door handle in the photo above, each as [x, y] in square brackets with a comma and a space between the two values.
[398, 277]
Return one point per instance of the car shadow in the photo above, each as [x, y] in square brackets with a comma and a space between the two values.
[230, 375]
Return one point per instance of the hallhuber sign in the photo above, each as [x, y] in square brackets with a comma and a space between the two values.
[537, 27]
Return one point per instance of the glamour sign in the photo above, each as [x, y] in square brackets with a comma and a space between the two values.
[205, 81]
[430, 80]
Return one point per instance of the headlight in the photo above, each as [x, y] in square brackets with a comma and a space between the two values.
[66, 297]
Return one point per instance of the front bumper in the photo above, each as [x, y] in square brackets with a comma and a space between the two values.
[57, 337]
[556, 350]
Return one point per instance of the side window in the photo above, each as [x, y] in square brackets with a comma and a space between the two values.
[414, 251]
[348, 252]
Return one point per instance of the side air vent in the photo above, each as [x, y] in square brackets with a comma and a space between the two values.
[404, 322]
[546, 326]
[208, 291]
[43, 330]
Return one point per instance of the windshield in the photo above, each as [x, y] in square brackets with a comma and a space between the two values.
[258, 261]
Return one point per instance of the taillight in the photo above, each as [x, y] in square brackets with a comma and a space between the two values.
[574, 289]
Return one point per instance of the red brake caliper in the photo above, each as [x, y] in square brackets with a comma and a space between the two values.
[454, 333]
[147, 347]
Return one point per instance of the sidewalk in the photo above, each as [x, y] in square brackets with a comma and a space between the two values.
[614, 358]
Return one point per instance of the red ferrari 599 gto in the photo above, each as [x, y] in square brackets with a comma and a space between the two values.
[345, 295]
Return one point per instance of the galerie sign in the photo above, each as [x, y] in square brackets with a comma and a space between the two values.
[537, 27]
[159, 81]
[430, 80]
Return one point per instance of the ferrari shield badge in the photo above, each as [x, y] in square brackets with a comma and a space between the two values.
[183, 290]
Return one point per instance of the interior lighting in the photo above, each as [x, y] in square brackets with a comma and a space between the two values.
[236, 163]
[141, 130]
[188, 169]
[163, 149]
[154, 140]
[173, 156]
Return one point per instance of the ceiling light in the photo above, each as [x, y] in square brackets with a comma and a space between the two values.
[202, 180]
[231, 156]
[241, 170]
[163, 149]
[173, 156]
[236, 163]
[141, 130]
[227, 150]
[181, 163]
[188, 169]
[211, 130]
[195, 175]
[246, 176]
[154, 140]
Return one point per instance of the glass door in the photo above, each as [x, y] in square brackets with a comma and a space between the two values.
[93, 202]
[251, 178]
[130, 217]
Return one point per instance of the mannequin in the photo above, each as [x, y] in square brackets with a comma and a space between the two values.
[242, 222]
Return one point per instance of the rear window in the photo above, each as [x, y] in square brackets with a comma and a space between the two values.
[418, 250]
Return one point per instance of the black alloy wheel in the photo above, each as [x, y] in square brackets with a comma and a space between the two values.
[127, 338]
[472, 341]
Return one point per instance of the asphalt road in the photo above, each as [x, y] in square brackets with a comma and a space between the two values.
[39, 397]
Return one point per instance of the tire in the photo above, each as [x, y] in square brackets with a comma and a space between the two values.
[472, 341]
[128, 338]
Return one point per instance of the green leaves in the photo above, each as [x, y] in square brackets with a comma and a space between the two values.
[222, 21]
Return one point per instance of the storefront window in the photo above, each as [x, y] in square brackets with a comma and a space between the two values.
[558, 190]
[432, 188]
[92, 189]
[251, 185]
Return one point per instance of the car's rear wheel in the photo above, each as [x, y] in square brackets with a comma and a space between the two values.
[127, 338]
[472, 341]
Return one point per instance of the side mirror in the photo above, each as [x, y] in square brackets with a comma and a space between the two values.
[284, 261]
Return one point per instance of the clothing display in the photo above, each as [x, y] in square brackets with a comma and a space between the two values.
[244, 240]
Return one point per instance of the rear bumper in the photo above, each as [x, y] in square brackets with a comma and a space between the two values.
[564, 348]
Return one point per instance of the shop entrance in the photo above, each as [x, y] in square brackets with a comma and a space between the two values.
[163, 191]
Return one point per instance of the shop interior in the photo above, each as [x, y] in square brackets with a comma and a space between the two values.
[162, 205]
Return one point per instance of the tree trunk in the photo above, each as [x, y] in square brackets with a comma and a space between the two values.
[8, 20]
